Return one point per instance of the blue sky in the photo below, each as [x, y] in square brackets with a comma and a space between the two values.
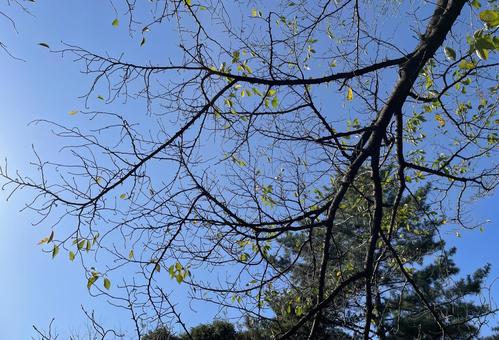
[36, 288]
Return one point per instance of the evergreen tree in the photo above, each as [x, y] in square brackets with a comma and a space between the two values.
[160, 333]
[399, 311]
[218, 329]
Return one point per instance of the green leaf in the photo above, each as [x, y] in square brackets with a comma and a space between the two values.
[450, 53]
[55, 251]
[107, 283]
[100, 97]
[71, 256]
[188, 3]
[476, 4]
[482, 53]
[247, 68]
[95, 238]
[44, 45]
[256, 91]
[235, 56]
[80, 244]
[485, 42]
[228, 102]
[143, 41]
[466, 65]
[88, 246]
[157, 267]
[51, 237]
[92, 279]
[275, 102]
[115, 22]
[492, 138]
[244, 257]
[123, 196]
[131, 255]
[490, 18]
[238, 161]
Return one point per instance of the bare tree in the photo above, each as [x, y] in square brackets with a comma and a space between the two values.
[7, 7]
[93, 331]
[254, 112]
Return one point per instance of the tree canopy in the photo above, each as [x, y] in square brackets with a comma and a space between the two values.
[293, 165]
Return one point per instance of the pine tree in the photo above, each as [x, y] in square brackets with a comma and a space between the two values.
[399, 311]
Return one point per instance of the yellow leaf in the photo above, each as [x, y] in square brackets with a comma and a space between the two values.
[440, 120]
[72, 113]
[43, 240]
[254, 12]
[349, 94]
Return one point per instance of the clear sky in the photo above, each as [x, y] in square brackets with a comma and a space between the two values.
[34, 287]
